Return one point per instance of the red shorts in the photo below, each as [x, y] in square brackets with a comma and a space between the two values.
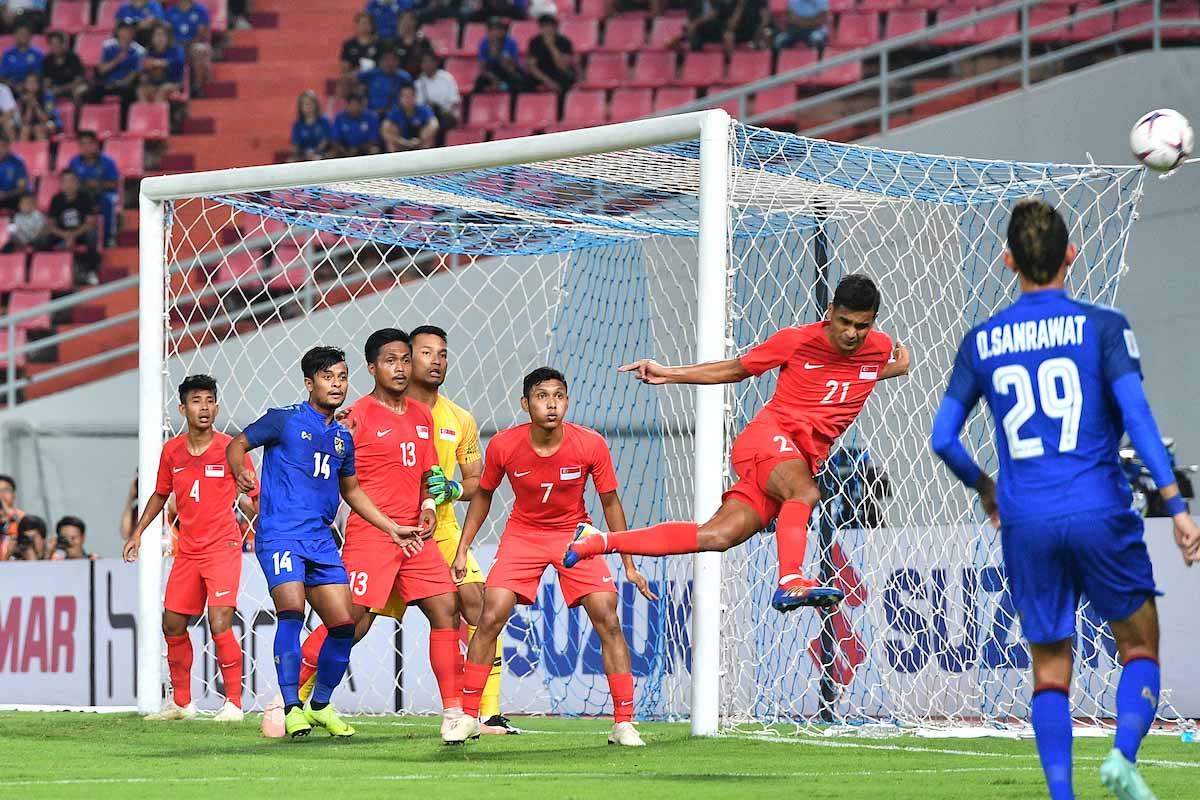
[211, 577]
[376, 566]
[523, 557]
[757, 450]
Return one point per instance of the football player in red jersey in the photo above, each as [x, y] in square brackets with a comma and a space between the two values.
[827, 371]
[547, 462]
[208, 561]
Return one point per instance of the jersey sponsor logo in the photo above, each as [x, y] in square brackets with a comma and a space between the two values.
[447, 434]
[339, 446]
[214, 470]
[570, 473]
[812, 366]
[221, 594]
[422, 431]
[522, 474]
[383, 433]
[869, 373]
[306, 435]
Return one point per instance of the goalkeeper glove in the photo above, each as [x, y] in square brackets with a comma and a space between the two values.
[441, 488]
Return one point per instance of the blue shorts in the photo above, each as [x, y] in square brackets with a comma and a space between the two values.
[1052, 562]
[312, 562]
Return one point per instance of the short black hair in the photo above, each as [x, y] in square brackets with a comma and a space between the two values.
[547, 19]
[197, 383]
[8, 479]
[53, 35]
[429, 330]
[1037, 239]
[88, 135]
[70, 519]
[379, 338]
[319, 359]
[856, 292]
[125, 24]
[541, 375]
[29, 522]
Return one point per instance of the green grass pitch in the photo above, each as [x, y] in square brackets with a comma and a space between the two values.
[75, 755]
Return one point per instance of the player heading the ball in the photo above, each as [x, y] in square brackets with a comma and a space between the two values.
[828, 370]
[208, 560]
[1063, 380]
[308, 467]
[547, 462]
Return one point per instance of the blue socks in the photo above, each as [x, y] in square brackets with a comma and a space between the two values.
[1137, 703]
[287, 656]
[332, 663]
[1051, 713]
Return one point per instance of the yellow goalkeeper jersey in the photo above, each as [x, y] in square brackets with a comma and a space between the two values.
[457, 442]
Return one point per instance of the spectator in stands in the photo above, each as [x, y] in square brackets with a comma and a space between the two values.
[383, 83]
[655, 7]
[14, 178]
[120, 65]
[144, 16]
[30, 542]
[361, 52]
[28, 226]
[480, 10]
[499, 60]
[410, 125]
[70, 226]
[410, 44]
[356, 130]
[192, 27]
[312, 133]
[10, 514]
[22, 58]
[63, 70]
[27, 12]
[162, 68]
[10, 115]
[99, 176]
[70, 533]
[552, 60]
[40, 120]
[726, 22]
[804, 21]
[437, 89]
[386, 14]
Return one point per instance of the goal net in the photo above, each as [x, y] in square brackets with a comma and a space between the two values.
[587, 258]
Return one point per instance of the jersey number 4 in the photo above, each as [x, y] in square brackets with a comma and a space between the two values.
[1061, 398]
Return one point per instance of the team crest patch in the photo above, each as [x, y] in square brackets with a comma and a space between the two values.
[339, 446]
[570, 473]
[214, 470]
[422, 432]
[446, 434]
[869, 373]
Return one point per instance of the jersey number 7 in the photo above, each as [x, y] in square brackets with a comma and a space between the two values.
[1061, 398]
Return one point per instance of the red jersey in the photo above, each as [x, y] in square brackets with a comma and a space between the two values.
[549, 489]
[205, 493]
[819, 389]
[391, 454]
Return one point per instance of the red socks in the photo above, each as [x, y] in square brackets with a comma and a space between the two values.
[310, 652]
[663, 539]
[475, 677]
[621, 687]
[179, 660]
[446, 659]
[229, 658]
[791, 536]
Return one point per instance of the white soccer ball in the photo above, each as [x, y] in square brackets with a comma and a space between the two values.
[1162, 139]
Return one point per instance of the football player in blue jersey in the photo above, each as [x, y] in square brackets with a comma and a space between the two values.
[1062, 378]
[307, 469]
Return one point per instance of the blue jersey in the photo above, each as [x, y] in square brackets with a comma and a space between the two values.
[314, 135]
[12, 172]
[354, 132]
[383, 88]
[303, 459]
[134, 14]
[129, 64]
[1046, 366]
[103, 169]
[16, 63]
[187, 24]
[410, 125]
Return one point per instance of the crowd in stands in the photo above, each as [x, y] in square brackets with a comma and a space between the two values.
[394, 91]
[25, 537]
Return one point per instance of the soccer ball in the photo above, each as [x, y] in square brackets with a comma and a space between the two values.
[1161, 139]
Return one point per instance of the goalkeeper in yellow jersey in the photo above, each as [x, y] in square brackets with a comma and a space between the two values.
[457, 441]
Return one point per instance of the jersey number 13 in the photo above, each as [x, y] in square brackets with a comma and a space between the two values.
[1061, 398]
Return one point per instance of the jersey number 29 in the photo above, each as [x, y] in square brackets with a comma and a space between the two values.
[1061, 398]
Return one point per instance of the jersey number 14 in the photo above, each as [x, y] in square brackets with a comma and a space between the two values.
[1061, 398]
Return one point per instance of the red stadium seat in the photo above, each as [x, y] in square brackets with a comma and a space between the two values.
[794, 59]
[465, 70]
[624, 34]
[218, 12]
[583, 33]
[69, 16]
[959, 36]
[292, 269]
[463, 136]
[606, 71]
[839, 6]
[47, 188]
[12, 271]
[103, 119]
[66, 112]
[19, 341]
[856, 29]
[538, 109]
[1044, 15]
[52, 271]
[1090, 28]
[130, 155]
[523, 30]
[106, 16]
[592, 9]
[903, 21]
[665, 31]
[473, 34]
[997, 27]
[239, 267]
[747, 66]
[584, 108]
[36, 156]
[840, 75]
[703, 70]
[672, 96]
[511, 131]
[776, 97]
[443, 35]
[1188, 10]
[630, 104]
[88, 46]
[25, 299]
[150, 120]
[654, 68]
[488, 110]
[67, 149]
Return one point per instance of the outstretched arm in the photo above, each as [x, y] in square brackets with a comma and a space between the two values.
[154, 507]
[649, 371]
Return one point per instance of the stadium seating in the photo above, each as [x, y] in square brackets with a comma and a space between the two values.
[48, 186]
[240, 268]
[630, 104]
[856, 29]
[19, 341]
[24, 300]
[36, 156]
[149, 120]
[664, 31]
[70, 16]
[67, 150]
[672, 96]
[129, 153]
[103, 119]
[903, 21]
[106, 16]
[489, 109]
[606, 71]
[12, 271]
[702, 69]
[654, 68]
[52, 271]
[538, 110]
[584, 108]
[748, 66]
[293, 270]
[624, 34]
[88, 46]
[583, 33]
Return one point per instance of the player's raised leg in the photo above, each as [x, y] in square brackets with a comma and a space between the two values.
[601, 608]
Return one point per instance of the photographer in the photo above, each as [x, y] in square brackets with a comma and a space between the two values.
[31, 539]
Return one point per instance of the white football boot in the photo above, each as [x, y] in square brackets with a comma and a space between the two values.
[624, 734]
[172, 711]
[461, 729]
[229, 713]
[449, 715]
